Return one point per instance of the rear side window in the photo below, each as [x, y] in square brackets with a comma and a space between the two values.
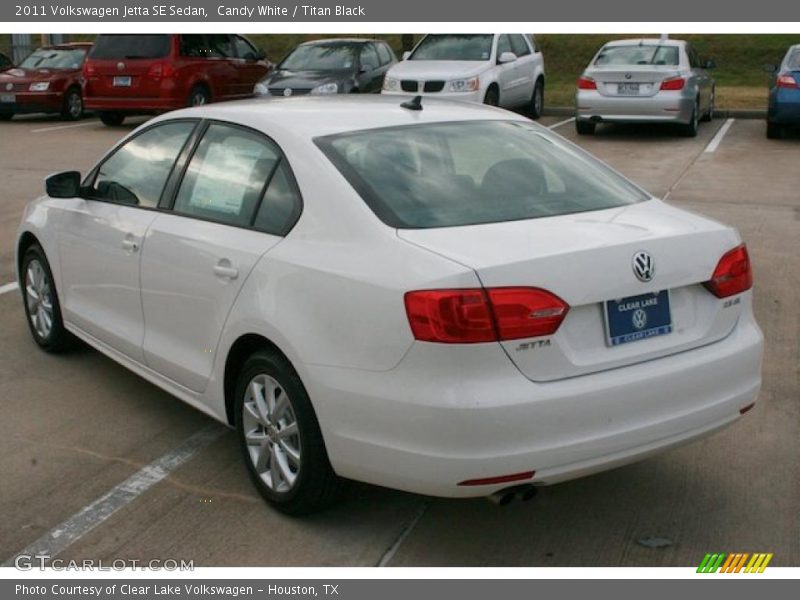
[231, 171]
[137, 171]
[638, 55]
[519, 46]
[130, 46]
[464, 173]
[793, 60]
[206, 46]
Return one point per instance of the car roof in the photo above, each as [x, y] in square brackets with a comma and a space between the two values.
[342, 40]
[646, 41]
[313, 116]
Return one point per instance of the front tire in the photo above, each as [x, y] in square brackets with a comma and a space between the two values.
[280, 437]
[6, 116]
[72, 108]
[112, 119]
[492, 97]
[198, 96]
[42, 307]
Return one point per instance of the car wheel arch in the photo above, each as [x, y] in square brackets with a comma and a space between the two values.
[26, 240]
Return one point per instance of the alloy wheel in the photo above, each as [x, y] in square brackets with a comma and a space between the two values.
[39, 297]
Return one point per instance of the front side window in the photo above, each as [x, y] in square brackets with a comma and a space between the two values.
[519, 46]
[384, 54]
[638, 55]
[227, 176]
[503, 45]
[454, 47]
[54, 58]
[137, 171]
[464, 173]
[245, 49]
[369, 57]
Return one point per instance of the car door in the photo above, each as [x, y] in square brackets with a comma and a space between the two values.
[250, 67]
[199, 254]
[101, 236]
[525, 68]
[507, 74]
[209, 58]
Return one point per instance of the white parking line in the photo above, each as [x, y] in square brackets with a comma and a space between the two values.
[560, 123]
[70, 531]
[717, 139]
[389, 554]
[9, 287]
[57, 127]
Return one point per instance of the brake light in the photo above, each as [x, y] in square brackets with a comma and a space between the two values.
[466, 316]
[733, 274]
[160, 69]
[673, 84]
[89, 70]
[787, 81]
[586, 83]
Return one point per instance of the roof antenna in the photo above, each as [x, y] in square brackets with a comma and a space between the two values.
[414, 104]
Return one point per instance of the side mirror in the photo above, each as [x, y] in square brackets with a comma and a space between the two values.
[769, 69]
[506, 57]
[709, 64]
[66, 184]
[261, 55]
[406, 54]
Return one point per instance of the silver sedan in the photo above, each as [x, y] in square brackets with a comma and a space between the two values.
[646, 80]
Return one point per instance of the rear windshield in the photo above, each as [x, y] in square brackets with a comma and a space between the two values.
[130, 46]
[454, 47]
[320, 57]
[464, 173]
[638, 55]
[54, 58]
[793, 60]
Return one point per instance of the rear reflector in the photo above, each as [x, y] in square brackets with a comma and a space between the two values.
[586, 83]
[733, 274]
[746, 408]
[787, 81]
[673, 84]
[500, 479]
[468, 316]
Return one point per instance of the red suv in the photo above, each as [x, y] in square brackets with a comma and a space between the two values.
[148, 74]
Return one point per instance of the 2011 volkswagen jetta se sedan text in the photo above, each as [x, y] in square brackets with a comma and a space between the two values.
[436, 297]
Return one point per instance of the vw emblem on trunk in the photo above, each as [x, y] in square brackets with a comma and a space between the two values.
[639, 318]
[643, 266]
[628, 75]
[287, 92]
[9, 86]
[120, 66]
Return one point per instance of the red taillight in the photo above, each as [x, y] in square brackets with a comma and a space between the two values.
[483, 315]
[787, 81]
[586, 83]
[673, 84]
[160, 69]
[733, 274]
[89, 70]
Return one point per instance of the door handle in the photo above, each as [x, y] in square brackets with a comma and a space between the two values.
[226, 270]
[130, 245]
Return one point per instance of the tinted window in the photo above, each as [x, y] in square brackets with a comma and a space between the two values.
[54, 59]
[320, 57]
[454, 47]
[136, 172]
[5, 62]
[130, 46]
[638, 55]
[206, 46]
[369, 57]
[281, 204]
[694, 60]
[226, 176]
[447, 174]
[793, 60]
[519, 46]
[384, 54]
[503, 45]
[245, 49]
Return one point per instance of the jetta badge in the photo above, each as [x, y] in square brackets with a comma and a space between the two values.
[9, 86]
[120, 66]
[287, 92]
[643, 266]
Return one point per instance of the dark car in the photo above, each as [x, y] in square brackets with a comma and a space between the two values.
[149, 74]
[784, 94]
[338, 66]
[47, 81]
[5, 62]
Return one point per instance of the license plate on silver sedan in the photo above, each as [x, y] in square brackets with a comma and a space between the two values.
[122, 81]
[638, 317]
[628, 89]
[8, 98]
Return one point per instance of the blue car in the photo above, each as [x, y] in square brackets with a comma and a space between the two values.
[784, 95]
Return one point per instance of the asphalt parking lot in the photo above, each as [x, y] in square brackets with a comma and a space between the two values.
[73, 427]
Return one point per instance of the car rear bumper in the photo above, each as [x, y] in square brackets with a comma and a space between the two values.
[666, 107]
[33, 102]
[787, 113]
[448, 414]
[133, 105]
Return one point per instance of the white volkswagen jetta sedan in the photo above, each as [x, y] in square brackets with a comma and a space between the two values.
[438, 297]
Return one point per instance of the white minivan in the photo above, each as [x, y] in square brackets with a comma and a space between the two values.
[501, 69]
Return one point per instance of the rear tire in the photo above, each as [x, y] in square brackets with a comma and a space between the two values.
[585, 127]
[774, 130]
[42, 308]
[280, 438]
[711, 102]
[6, 116]
[691, 128]
[112, 119]
[72, 107]
[198, 96]
[492, 97]
[537, 100]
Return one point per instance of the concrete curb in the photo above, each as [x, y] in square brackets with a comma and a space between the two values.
[720, 113]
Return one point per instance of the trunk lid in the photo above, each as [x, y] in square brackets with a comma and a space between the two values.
[617, 80]
[120, 65]
[586, 259]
